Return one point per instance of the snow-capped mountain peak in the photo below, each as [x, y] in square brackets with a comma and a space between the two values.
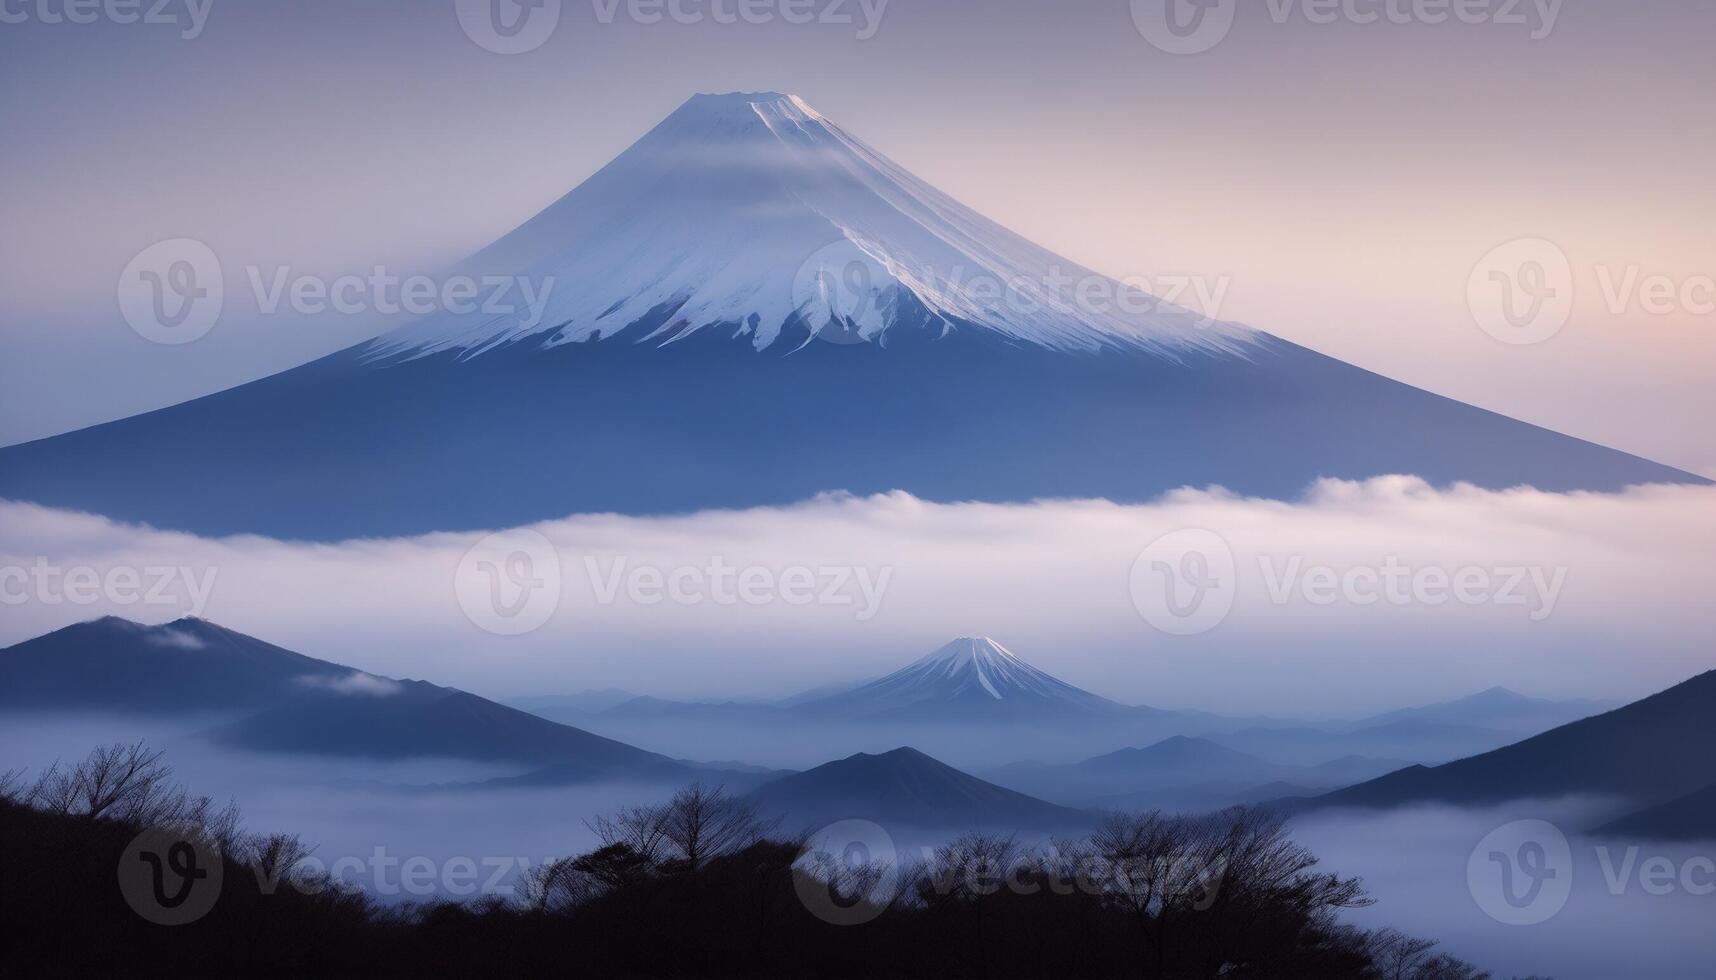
[973, 672]
[754, 216]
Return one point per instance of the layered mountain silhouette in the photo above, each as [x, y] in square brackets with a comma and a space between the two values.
[1650, 751]
[287, 702]
[1497, 709]
[190, 665]
[857, 329]
[1179, 772]
[1685, 818]
[972, 699]
[905, 788]
[971, 676]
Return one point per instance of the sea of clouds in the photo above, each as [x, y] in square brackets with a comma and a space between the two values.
[1555, 594]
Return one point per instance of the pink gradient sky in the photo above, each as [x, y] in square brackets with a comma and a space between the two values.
[1344, 177]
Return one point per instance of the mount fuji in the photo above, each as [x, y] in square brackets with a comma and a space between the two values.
[969, 676]
[750, 306]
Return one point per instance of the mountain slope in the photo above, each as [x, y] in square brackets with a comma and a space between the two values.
[113, 664]
[750, 307]
[1690, 817]
[904, 787]
[1497, 709]
[727, 211]
[418, 719]
[968, 676]
[287, 702]
[1648, 751]
[1179, 770]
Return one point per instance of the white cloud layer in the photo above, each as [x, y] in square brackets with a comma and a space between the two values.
[1602, 595]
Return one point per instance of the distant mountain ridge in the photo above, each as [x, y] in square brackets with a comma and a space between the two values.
[1650, 751]
[289, 703]
[1178, 772]
[1686, 818]
[970, 675]
[908, 788]
[187, 665]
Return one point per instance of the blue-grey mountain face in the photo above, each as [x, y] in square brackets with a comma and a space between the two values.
[279, 701]
[750, 307]
[904, 787]
[187, 666]
[1651, 751]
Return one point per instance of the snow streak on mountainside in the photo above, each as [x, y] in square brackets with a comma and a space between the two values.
[968, 671]
[743, 212]
[892, 358]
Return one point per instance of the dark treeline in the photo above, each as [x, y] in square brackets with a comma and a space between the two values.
[695, 887]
